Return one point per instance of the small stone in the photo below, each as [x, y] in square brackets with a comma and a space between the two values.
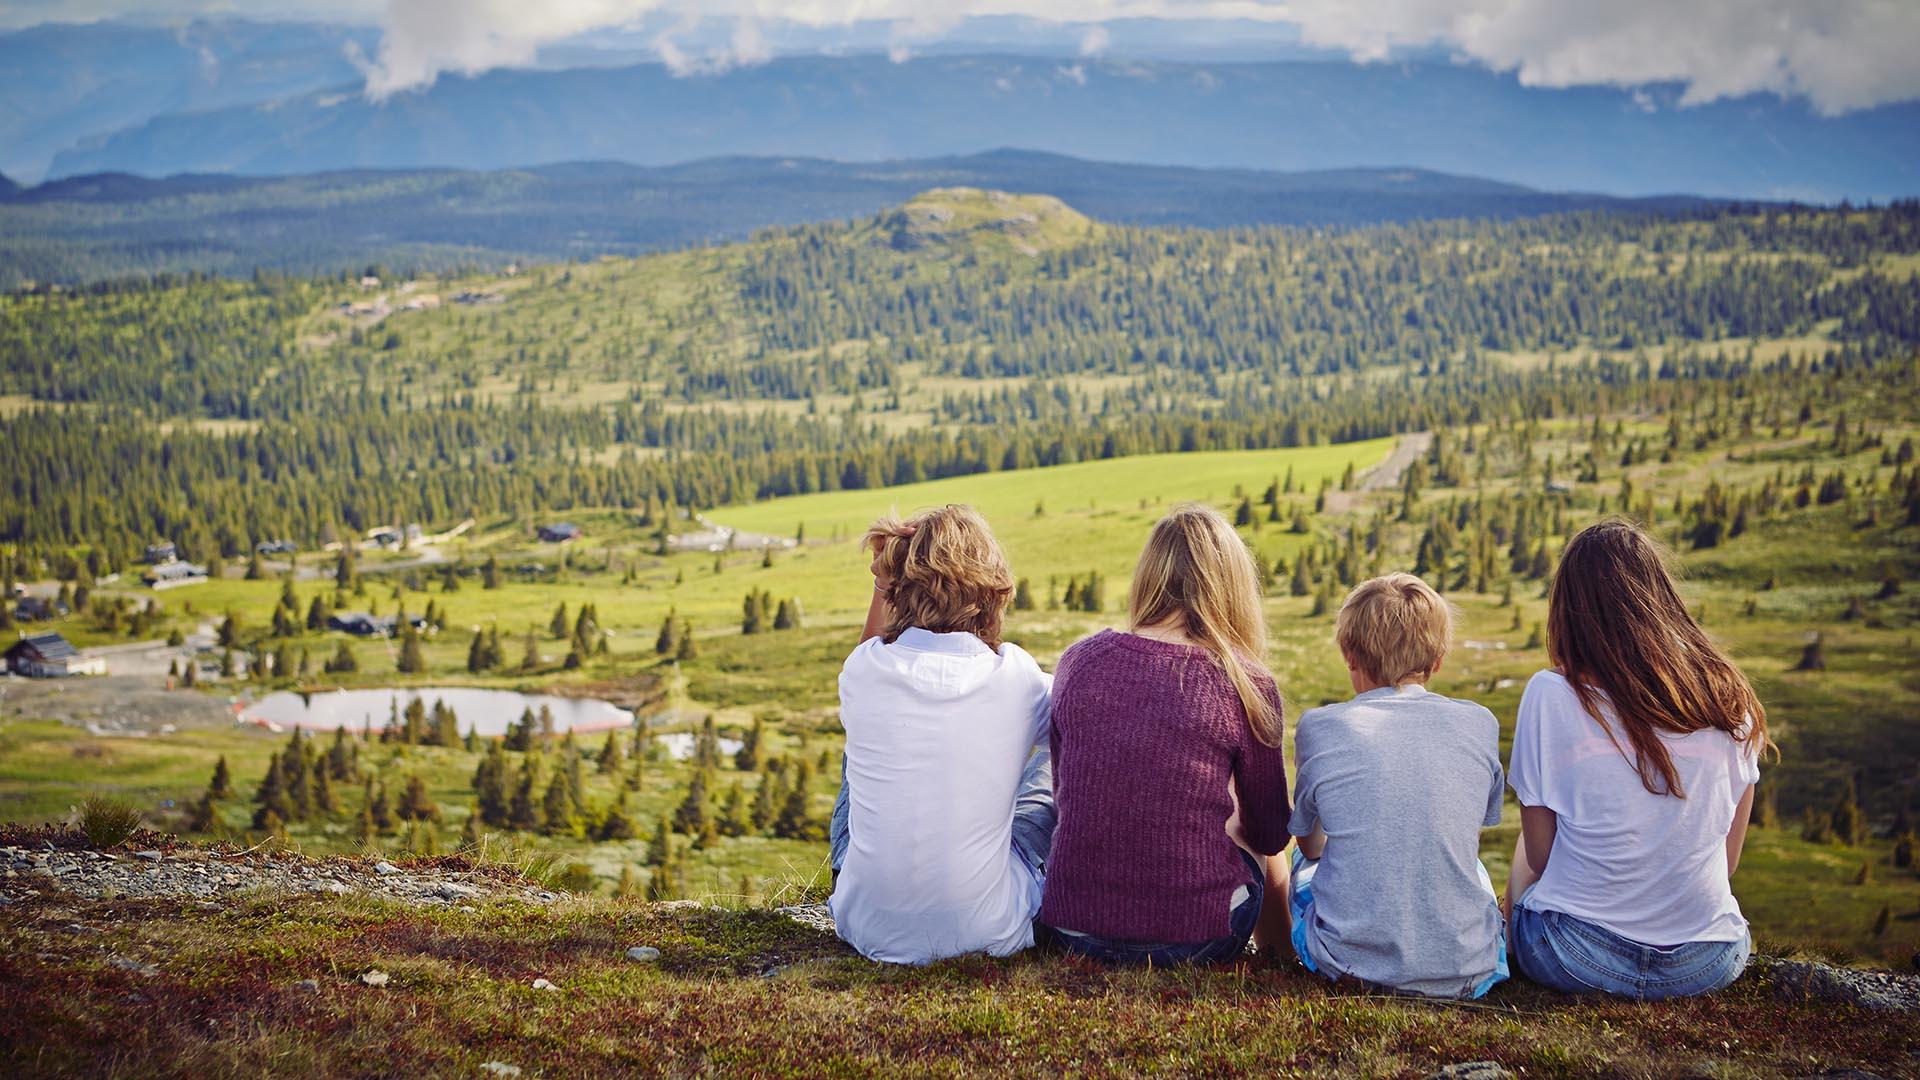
[150, 856]
[1473, 1070]
[383, 868]
[453, 890]
[125, 963]
[646, 954]
[499, 1068]
[542, 984]
[311, 986]
[375, 977]
[333, 887]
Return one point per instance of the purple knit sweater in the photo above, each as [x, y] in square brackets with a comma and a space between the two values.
[1145, 736]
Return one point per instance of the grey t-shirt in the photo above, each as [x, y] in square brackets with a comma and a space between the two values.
[1402, 780]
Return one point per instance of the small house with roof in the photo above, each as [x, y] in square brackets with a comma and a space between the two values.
[561, 533]
[39, 609]
[51, 656]
[162, 552]
[175, 574]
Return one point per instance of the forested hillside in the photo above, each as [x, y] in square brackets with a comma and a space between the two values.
[965, 332]
[104, 226]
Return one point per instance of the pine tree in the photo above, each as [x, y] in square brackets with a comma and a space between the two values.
[343, 660]
[747, 758]
[617, 825]
[490, 573]
[530, 659]
[686, 649]
[490, 786]
[416, 803]
[558, 627]
[795, 821]
[1023, 596]
[733, 813]
[381, 810]
[768, 799]
[668, 640]
[660, 845]
[221, 786]
[611, 758]
[523, 811]
[1814, 656]
[556, 809]
[691, 816]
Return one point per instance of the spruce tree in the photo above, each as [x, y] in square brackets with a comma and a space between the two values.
[747, 758]
[221, 786]
[612, 758]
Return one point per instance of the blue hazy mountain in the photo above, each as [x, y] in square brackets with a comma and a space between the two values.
[1288, 116]
[61, 84]
[110, 225]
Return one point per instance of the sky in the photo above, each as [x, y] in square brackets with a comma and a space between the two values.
[1838, 55]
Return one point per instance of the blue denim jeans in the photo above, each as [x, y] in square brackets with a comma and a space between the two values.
[1300, 906]
[1033, 815]
[1574, 956]
[1240, 924]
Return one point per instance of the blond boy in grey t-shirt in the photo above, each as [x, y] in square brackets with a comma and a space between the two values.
[1391, 792]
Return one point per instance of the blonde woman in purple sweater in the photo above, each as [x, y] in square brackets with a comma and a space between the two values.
[1168, 776]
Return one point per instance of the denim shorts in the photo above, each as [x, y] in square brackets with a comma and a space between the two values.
[1240, 923]
[1575, 956]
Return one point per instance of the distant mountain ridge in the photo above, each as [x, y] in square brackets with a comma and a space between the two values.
[1296, 115]
[109, 225]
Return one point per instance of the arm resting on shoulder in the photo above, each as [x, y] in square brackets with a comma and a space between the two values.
[1737, 835]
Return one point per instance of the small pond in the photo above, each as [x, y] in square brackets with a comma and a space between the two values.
[490, 712]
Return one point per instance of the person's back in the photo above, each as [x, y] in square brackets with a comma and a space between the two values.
[1159, 735]
[1649, 867]
[1402, 780]
[1634, 761]
[939, 836]
[939, 728]
[1391, 791]
[1146, 738]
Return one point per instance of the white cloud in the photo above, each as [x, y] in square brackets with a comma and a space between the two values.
[1074, 73]
[1839, 54]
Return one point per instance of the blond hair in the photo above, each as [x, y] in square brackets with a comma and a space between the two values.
[1395, 629]
[1196, 573]
[946, 573]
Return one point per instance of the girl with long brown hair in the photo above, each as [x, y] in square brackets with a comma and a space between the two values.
[1155, 730]
[1634, 761]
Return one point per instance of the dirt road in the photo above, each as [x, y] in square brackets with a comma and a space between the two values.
[1384, 476]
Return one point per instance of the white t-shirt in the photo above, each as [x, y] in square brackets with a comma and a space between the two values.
[939, 728]
[1651, 868]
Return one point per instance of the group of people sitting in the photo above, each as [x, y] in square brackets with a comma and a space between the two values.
[1134, 807]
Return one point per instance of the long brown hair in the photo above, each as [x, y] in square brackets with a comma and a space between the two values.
[1196, 573]
[947, 573]
[1619, 633]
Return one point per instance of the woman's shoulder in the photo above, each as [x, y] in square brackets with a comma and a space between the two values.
[1095, 645]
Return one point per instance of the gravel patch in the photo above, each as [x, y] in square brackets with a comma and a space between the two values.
[1886, 991]
[211, 876]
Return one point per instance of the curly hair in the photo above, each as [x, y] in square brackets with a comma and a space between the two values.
[946, 573]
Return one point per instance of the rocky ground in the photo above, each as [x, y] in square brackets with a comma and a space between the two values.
[213, 874]
[156, 958]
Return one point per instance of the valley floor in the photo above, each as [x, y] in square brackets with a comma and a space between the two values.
[464, 970]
